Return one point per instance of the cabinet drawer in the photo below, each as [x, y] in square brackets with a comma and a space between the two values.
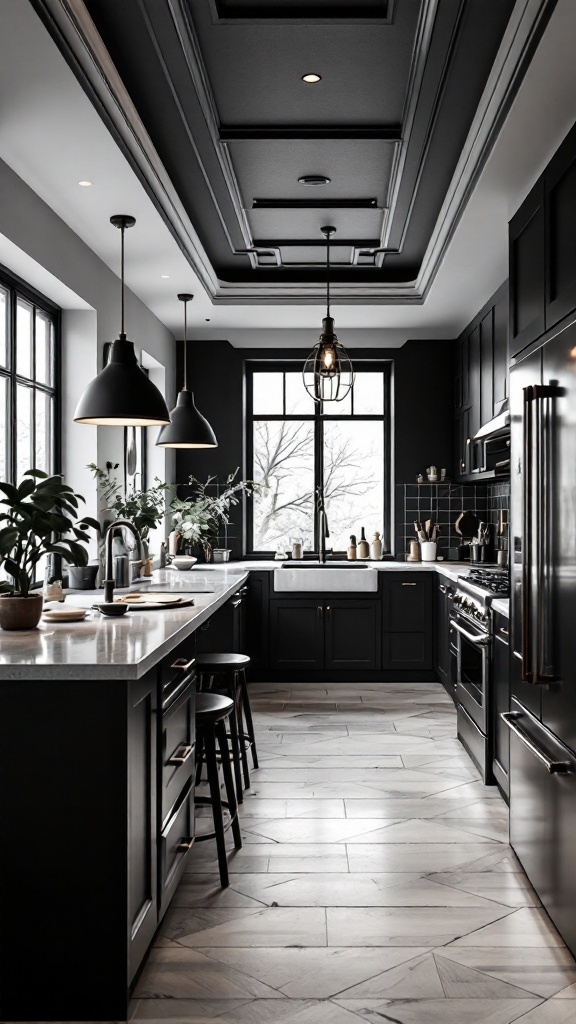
[176, 747]
[176, 672]
[176, 841]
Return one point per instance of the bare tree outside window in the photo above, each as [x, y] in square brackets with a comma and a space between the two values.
[288, 456]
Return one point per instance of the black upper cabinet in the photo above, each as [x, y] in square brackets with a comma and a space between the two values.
[527, 271]
[500, 351]
[560, 206]
[487, 367]
[481, 378]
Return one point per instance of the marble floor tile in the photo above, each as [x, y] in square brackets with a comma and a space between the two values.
[262, 807]
[188, 974]
[542, 971]
[272, 926]
[327, 890]
[440, 1011]
[191, 1011]
[416, 831]
[511, 888]
[316, 830]
[421, 857]
[551, 1012]
[524, 927]
[402, 807]
[567, 993]
[406, 926]
[312, 973]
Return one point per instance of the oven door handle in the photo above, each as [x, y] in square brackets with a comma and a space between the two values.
[553, 767]
[475, 638]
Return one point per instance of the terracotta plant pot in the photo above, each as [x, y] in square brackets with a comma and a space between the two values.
[20, 612]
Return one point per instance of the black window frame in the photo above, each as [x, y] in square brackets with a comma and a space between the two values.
[19, 289]
[252, 366]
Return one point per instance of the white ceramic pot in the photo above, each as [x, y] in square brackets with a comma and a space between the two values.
[428, 550]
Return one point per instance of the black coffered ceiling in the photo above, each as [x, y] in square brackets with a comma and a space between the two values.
[217, 84]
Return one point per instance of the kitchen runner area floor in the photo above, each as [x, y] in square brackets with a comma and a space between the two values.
[375, 882]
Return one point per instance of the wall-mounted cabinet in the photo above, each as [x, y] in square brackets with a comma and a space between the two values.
[542, 251]
[481, 379]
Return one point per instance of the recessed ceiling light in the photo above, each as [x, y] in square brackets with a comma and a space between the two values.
[314, 179]
[165, 276]
[311, 78]
[207, 319]
[85, 184]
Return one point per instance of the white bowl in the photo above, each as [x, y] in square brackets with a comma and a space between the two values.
[183, 562]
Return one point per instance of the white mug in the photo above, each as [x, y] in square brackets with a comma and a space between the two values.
[428, 550]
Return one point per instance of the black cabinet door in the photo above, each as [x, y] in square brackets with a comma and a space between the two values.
[527, 271]
[560, 205]
[486, 368]
[408, 617]
[142, 819]
[442, 634]
[500, 352]
[297, 634]
[352, 634]
[257, 620]
[501, 701]
[462, 451]
[474, 377]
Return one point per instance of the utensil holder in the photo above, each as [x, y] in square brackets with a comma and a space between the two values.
[428, 550]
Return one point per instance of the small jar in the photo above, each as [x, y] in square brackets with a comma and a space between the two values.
[297, 549]
[53, 591]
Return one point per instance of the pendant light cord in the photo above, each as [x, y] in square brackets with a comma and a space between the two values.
[328, 275]
[185, 346]
[122, 332]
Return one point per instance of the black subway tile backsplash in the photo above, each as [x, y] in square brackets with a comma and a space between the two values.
[443, 503]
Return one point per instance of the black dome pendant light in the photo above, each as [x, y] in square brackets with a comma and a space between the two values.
[328, 374]
[122, 395]
[188, 428]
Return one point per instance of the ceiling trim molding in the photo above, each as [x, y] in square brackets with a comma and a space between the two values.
[523, 33]
[301, 133]
[74, 32]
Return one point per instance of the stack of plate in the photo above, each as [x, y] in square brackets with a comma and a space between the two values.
[63, 613]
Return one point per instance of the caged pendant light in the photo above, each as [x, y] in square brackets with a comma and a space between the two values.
[122, 395]
[188, 428]
[328, 374]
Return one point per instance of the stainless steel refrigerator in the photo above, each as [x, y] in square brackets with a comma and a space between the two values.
[542, 717]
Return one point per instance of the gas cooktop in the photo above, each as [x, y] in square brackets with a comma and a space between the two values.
[495, 581]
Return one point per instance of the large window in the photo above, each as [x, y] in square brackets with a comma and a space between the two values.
[28, 381]
[296, 445]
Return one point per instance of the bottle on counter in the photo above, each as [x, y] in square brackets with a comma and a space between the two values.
[352, 549]
[363, 546]
[376, 547]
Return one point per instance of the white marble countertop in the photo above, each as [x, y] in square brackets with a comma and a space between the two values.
[101, 647]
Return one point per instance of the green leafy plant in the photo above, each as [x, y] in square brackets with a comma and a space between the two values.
[41, 519]
[201, 517]
[144, 508]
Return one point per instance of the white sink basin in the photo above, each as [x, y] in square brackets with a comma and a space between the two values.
[321, 580]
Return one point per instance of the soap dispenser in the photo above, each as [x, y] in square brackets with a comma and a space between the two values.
[363, 546]
[352, 550]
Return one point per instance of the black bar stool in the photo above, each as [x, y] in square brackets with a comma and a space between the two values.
[212, 710]
[226, 673]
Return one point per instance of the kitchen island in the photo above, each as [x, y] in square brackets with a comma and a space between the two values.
[97, 800]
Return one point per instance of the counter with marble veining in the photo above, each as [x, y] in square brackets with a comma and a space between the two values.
[101, 647]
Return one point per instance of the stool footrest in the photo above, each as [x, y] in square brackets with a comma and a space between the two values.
[205, 801]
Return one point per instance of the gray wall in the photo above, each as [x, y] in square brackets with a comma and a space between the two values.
[31, 225]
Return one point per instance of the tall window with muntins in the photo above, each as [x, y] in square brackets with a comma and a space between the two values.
[295, 445]
[29, 428]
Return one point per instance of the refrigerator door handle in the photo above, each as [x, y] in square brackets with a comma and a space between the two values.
[510, 718]
[527, 535]
[543, 665]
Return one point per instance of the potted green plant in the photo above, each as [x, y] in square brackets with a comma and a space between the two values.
[202, 517]
[41, 519]
[145, 507]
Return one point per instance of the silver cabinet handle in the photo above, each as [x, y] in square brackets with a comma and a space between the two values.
[475, 638]
[505, 632]
[319, 610]
[186, 843]
[183, 664]
[184, 754]
[553, 767]
[442, 588]
[408, 584]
